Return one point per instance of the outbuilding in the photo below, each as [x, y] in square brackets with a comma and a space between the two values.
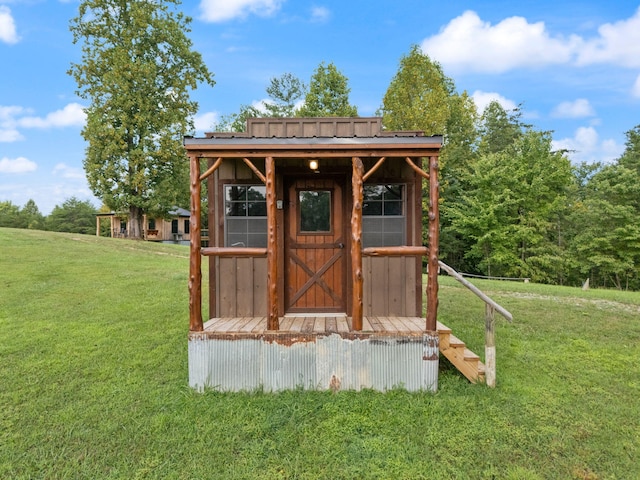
[315, 257]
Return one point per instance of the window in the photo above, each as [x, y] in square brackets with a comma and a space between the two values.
[315, 211]
[186, 227]
[152, 224]
[174, 226]
[245, 216]
[383, 217]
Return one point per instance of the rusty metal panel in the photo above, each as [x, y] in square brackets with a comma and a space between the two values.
[330, 362]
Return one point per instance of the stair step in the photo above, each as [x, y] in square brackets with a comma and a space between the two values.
[455, 342]
[470, 356]
[441, 328]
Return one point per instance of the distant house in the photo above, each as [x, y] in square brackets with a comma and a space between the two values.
[172, 229]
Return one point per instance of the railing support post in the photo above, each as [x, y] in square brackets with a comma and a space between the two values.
[195, 260]
[490, 345]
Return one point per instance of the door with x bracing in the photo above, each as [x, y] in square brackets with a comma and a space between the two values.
[315, 254]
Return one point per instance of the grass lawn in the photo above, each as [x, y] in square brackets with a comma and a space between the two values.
[93, 384]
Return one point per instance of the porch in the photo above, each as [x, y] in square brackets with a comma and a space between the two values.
[323, 352]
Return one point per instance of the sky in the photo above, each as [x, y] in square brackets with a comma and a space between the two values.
[573, 67]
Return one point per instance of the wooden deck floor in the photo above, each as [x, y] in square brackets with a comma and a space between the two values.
[321, 325]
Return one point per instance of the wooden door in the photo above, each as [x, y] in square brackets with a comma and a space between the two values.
[315, 258]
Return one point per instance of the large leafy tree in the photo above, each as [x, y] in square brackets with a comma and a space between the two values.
[328, 94]
[418, 96]
[137, 69]
[421, 97]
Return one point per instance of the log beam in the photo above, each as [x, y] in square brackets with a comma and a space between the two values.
[211, 169]
[272, 245]
[434, 228]
[195, 260]
[255, 170]
[356, 243]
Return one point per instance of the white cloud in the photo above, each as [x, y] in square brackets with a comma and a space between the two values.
[320, 14]
[586, 146]
[577, 109]
[467, 42]
[635, 90]
[65, 171]
[482, 99]
[8, 33]
[205, 121]
[618, 43]
[71, 115]
[8, 135]
[223, 10]
[17, 165]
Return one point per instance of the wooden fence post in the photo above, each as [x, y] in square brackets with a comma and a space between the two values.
[490, 345]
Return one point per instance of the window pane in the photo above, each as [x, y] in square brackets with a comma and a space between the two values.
[235, 193]
[315, 210]
[392, 208]
[236, 209]
[371, 208]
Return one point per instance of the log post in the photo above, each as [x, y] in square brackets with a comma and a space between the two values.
[490, 345]
[272, 252]
[195, 260]
[97, 225]
[356, 243]
[434, 226]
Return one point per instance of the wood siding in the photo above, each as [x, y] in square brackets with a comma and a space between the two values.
[391, 286]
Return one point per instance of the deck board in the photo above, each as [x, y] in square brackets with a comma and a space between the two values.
[317, 325]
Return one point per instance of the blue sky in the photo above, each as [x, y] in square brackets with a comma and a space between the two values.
[573, 65]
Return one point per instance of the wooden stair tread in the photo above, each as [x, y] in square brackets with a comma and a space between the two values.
[470, 356]
[455, 342]
[441, 328]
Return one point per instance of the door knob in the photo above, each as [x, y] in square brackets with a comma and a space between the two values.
[341, 245]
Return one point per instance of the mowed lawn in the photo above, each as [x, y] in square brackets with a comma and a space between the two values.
[93, 384]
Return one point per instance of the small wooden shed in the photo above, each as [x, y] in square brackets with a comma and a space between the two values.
[315, 257]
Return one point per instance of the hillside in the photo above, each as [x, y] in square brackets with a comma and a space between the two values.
[93, 383]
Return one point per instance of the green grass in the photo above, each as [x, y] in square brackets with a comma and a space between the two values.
[93, 384]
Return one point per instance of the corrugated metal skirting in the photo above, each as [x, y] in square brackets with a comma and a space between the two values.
[329, 362]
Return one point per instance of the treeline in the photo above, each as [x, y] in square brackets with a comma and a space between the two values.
[73, 216]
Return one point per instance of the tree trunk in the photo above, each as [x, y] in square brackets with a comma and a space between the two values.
[135, 222]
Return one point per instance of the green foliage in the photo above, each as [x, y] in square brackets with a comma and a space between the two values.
[94, 384]
[284, 93]
[237, 122]
[74, 216]
[418, 96]
[512, 208]
[14, 217]
[328, 94]
[137, 69]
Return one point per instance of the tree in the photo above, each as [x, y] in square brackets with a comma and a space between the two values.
[237, 122]
[512, 209]
[500, 129]
[137, 69]
[32, 216]
[328, 94]
[10, 215]
[74, 216]
[418, 96]
[605, 244]
[284, 93]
